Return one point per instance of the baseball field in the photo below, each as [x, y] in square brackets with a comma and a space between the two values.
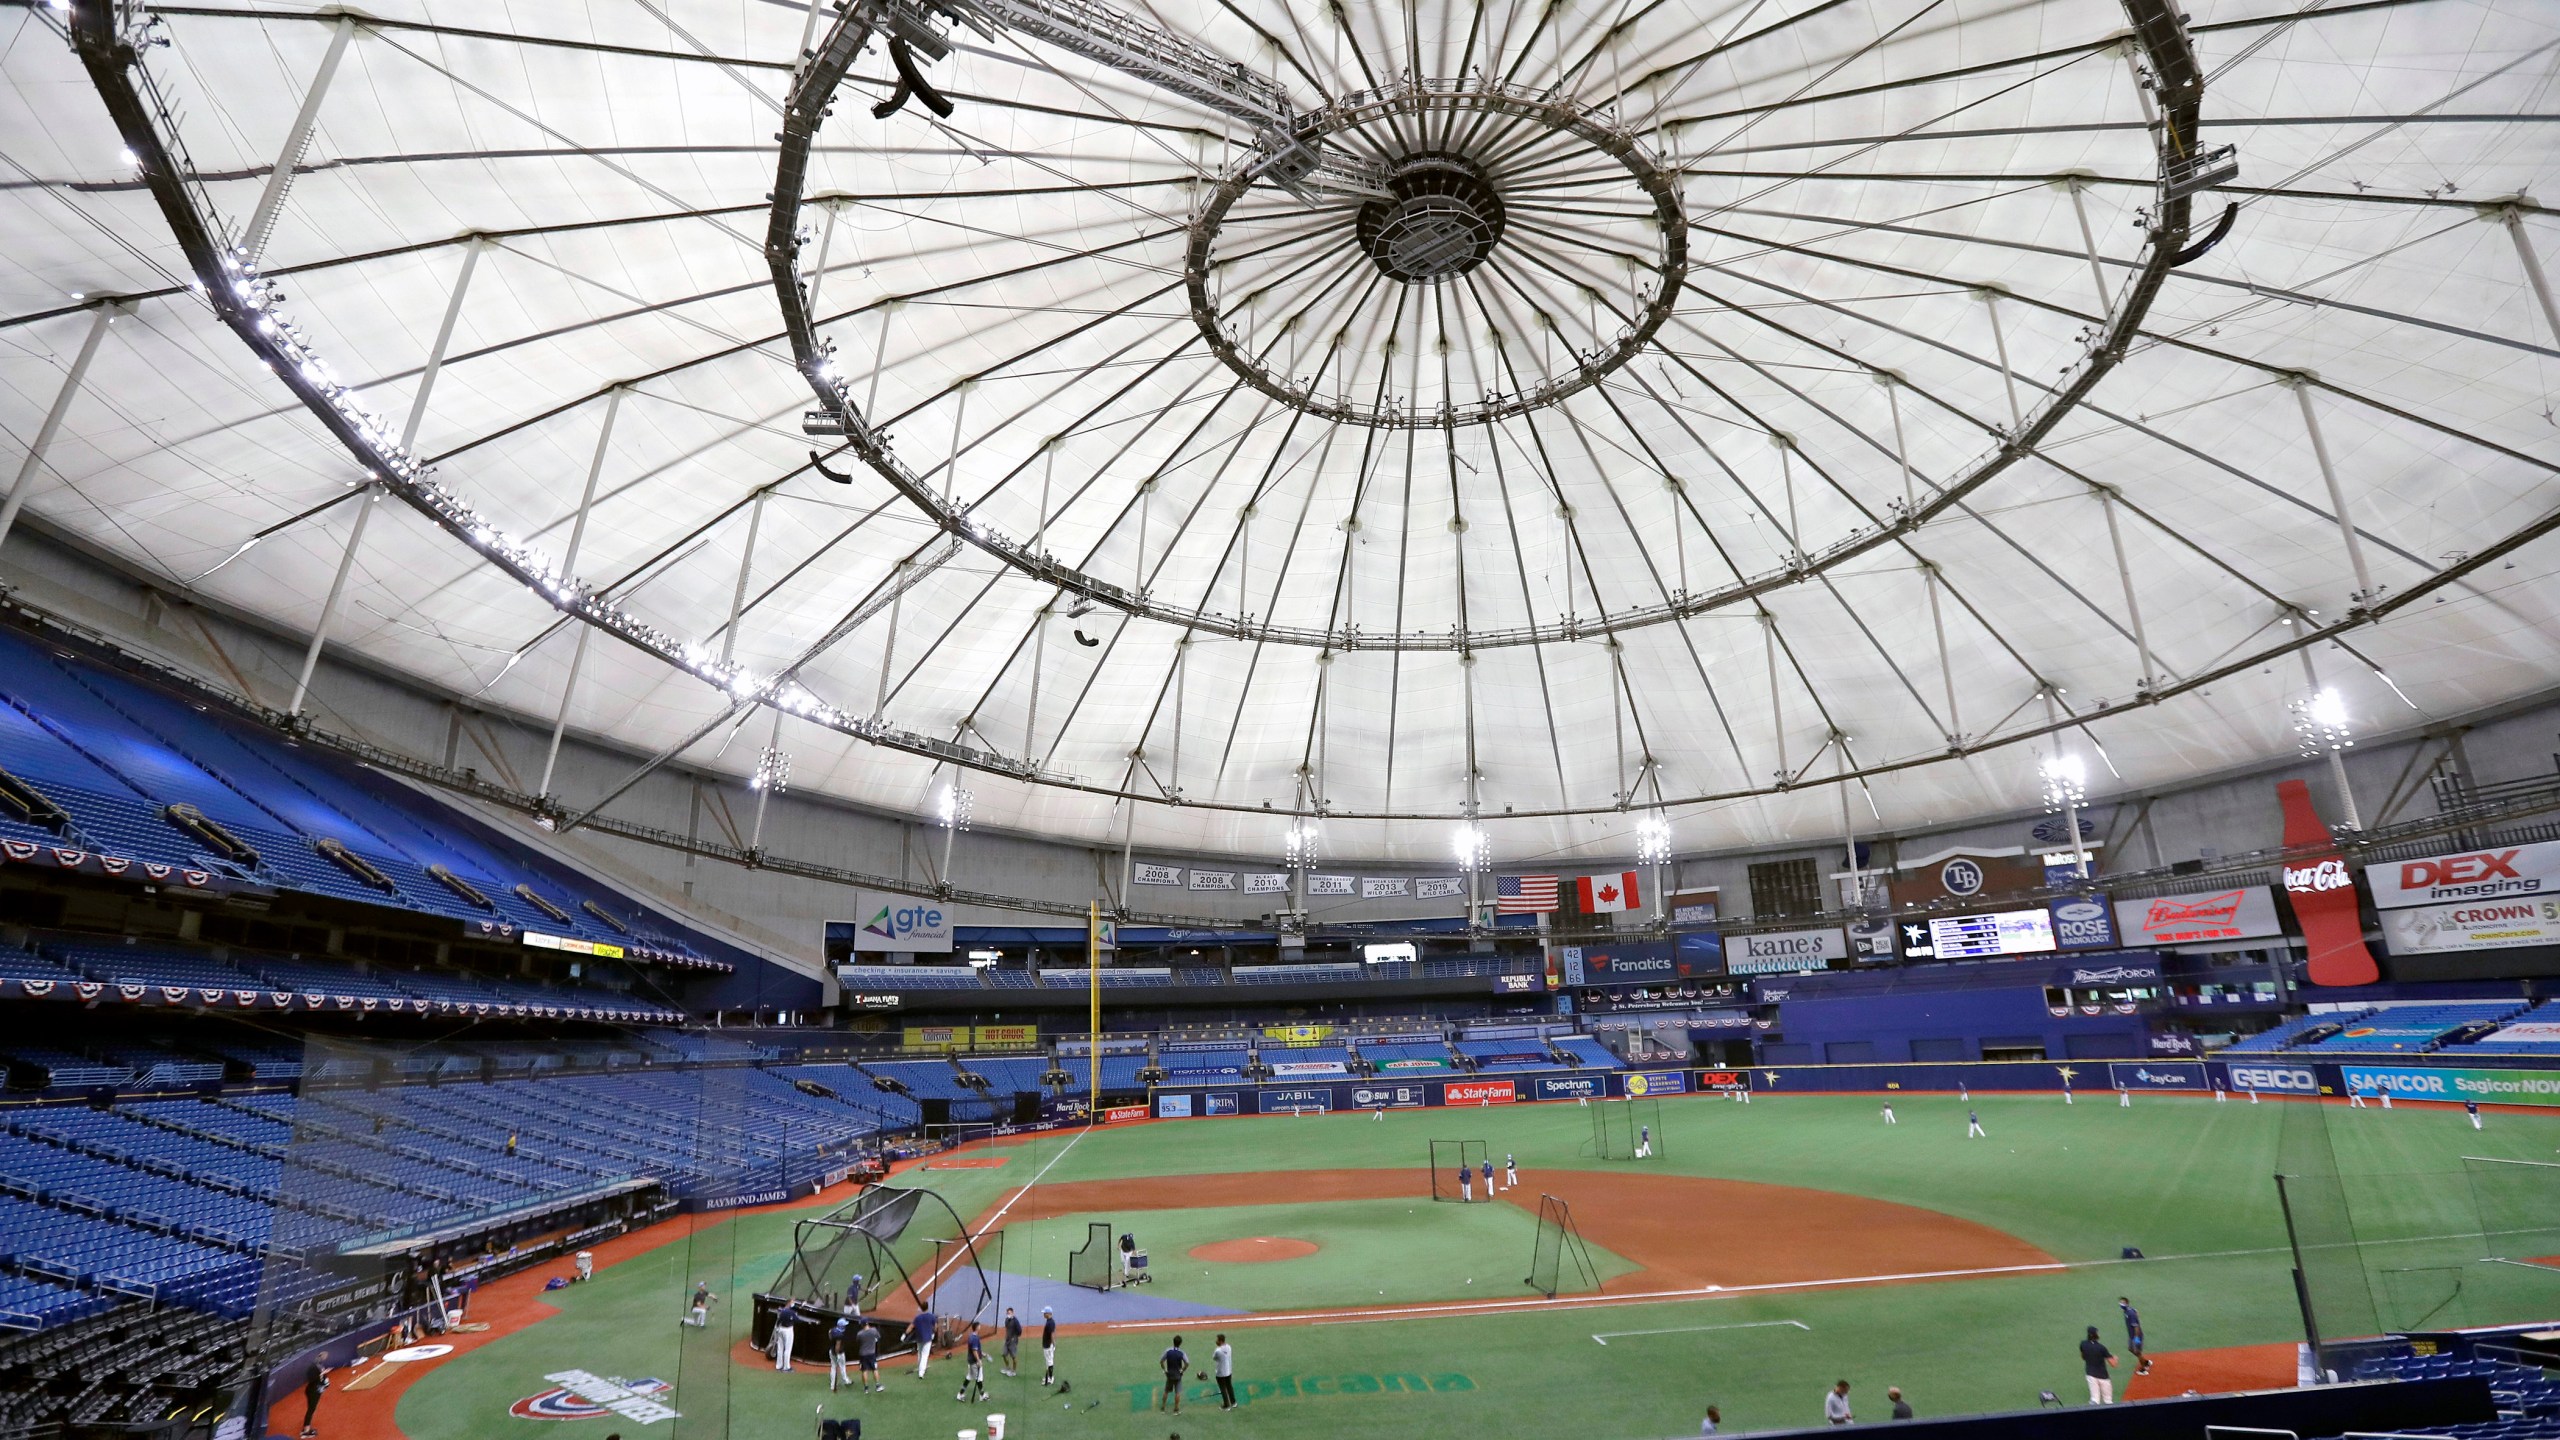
[1765, 1251]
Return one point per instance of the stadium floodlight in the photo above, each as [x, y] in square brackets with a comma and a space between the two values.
[1653, 839]
[1473, 848]
[2320, 722]
[773, 772]
[2066, 784]
[954, 808]
[1299, 847]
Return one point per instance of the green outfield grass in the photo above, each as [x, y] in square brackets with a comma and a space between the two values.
[2185, 1179]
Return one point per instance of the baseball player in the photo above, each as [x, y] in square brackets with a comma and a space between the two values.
[1466, 1181]
[2133, 1335]
[853, 1297]
[785, 1322]
[1048, 1346]
[2472, 1109]
[2066, 1094]
[2355, 1097]
[1963, 1095]
[1488, 1177]
[1888, 1114]
[866, 1350]
[2386, 1097]
[700, 1314]
[586, 1262]
[1222, 1367]
[2124, 1098]
[1973, 1126]
[1511, 1168]
[1175, 1363]
[1378, 1112]
[975, 1373]
[838, 1336]
[921, 1331]
[1644, 1142]
[2220, 1095]
[1012, 1340]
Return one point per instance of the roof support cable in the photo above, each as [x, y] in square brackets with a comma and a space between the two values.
[2365, 592]
[569, 566]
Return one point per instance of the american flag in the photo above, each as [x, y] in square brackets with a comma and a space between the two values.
[1524, 894]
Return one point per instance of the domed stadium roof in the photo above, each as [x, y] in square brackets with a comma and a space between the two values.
[1564, 414]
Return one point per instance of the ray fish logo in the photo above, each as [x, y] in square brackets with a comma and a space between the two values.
[581, 1396]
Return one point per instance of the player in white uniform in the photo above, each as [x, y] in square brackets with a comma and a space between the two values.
[1973, 1126]
[1048, 1345]
[1644, 1142]
[2124, 1098]
[1888, 1114]
[1511, 1172]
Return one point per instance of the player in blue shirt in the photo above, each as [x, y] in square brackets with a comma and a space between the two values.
[2133, 1335]
[1466, 1181]
[1175, 1362]
[1488, 1178]
[975, 1375]
[920, 1330]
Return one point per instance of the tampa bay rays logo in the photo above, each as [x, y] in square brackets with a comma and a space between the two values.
[562, 1403]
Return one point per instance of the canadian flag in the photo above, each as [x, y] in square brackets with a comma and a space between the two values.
[1603, 893]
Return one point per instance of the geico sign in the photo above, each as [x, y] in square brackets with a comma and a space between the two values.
[2327, 875]
[2273, 1077]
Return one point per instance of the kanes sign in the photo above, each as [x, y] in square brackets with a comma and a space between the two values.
[2324, 897]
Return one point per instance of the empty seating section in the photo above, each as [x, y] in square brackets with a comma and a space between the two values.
[1190, 1063]
[2413, 1028]
[31, 1304]
[1413, 1054]
[115, 754]
[1507, 1054]
[1004, 979]
[1586, 1051]
[2542, 1039]
[1128, 976]
[2282, 1037]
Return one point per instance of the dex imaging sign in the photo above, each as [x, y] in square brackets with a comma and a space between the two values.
[2508, 872]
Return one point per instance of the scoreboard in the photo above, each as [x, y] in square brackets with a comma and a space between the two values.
[1988, 936]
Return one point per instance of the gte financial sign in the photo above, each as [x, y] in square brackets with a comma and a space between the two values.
[2502, 873]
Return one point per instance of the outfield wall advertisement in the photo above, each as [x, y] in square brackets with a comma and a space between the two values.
[2474, 925]
[2449, 1083]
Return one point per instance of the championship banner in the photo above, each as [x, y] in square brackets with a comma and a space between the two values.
[2481, 925]
[1437, 887]
[1148, 874]
[1266, 884]
[1332, 885]
[1378, 889]
[1213, 879]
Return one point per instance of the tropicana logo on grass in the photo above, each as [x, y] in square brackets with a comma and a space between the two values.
[584, 1396]
[1294, 1387]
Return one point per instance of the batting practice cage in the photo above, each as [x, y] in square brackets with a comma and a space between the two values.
[1619, 1127]
[2381, 1246]
[1558, 1260]
[1448, 1158]
[906, 1248]
[1089, 1265]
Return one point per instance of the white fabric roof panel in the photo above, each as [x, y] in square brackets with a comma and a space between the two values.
[1855, 181]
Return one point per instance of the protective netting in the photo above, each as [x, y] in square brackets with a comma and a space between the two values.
[1089, 1264]
[1558, 1260]
[1457, 1170]
[1628, 1129]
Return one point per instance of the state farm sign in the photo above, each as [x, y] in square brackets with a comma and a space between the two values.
[2504, 873]
[1479, 1092]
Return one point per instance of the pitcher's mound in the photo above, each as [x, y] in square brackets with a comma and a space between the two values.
[1252, 1249]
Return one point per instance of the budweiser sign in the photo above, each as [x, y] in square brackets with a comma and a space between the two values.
[2244, 913]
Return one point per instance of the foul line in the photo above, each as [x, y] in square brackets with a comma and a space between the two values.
[1465, 1308]
[934, 1282]
[1605, 1336]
